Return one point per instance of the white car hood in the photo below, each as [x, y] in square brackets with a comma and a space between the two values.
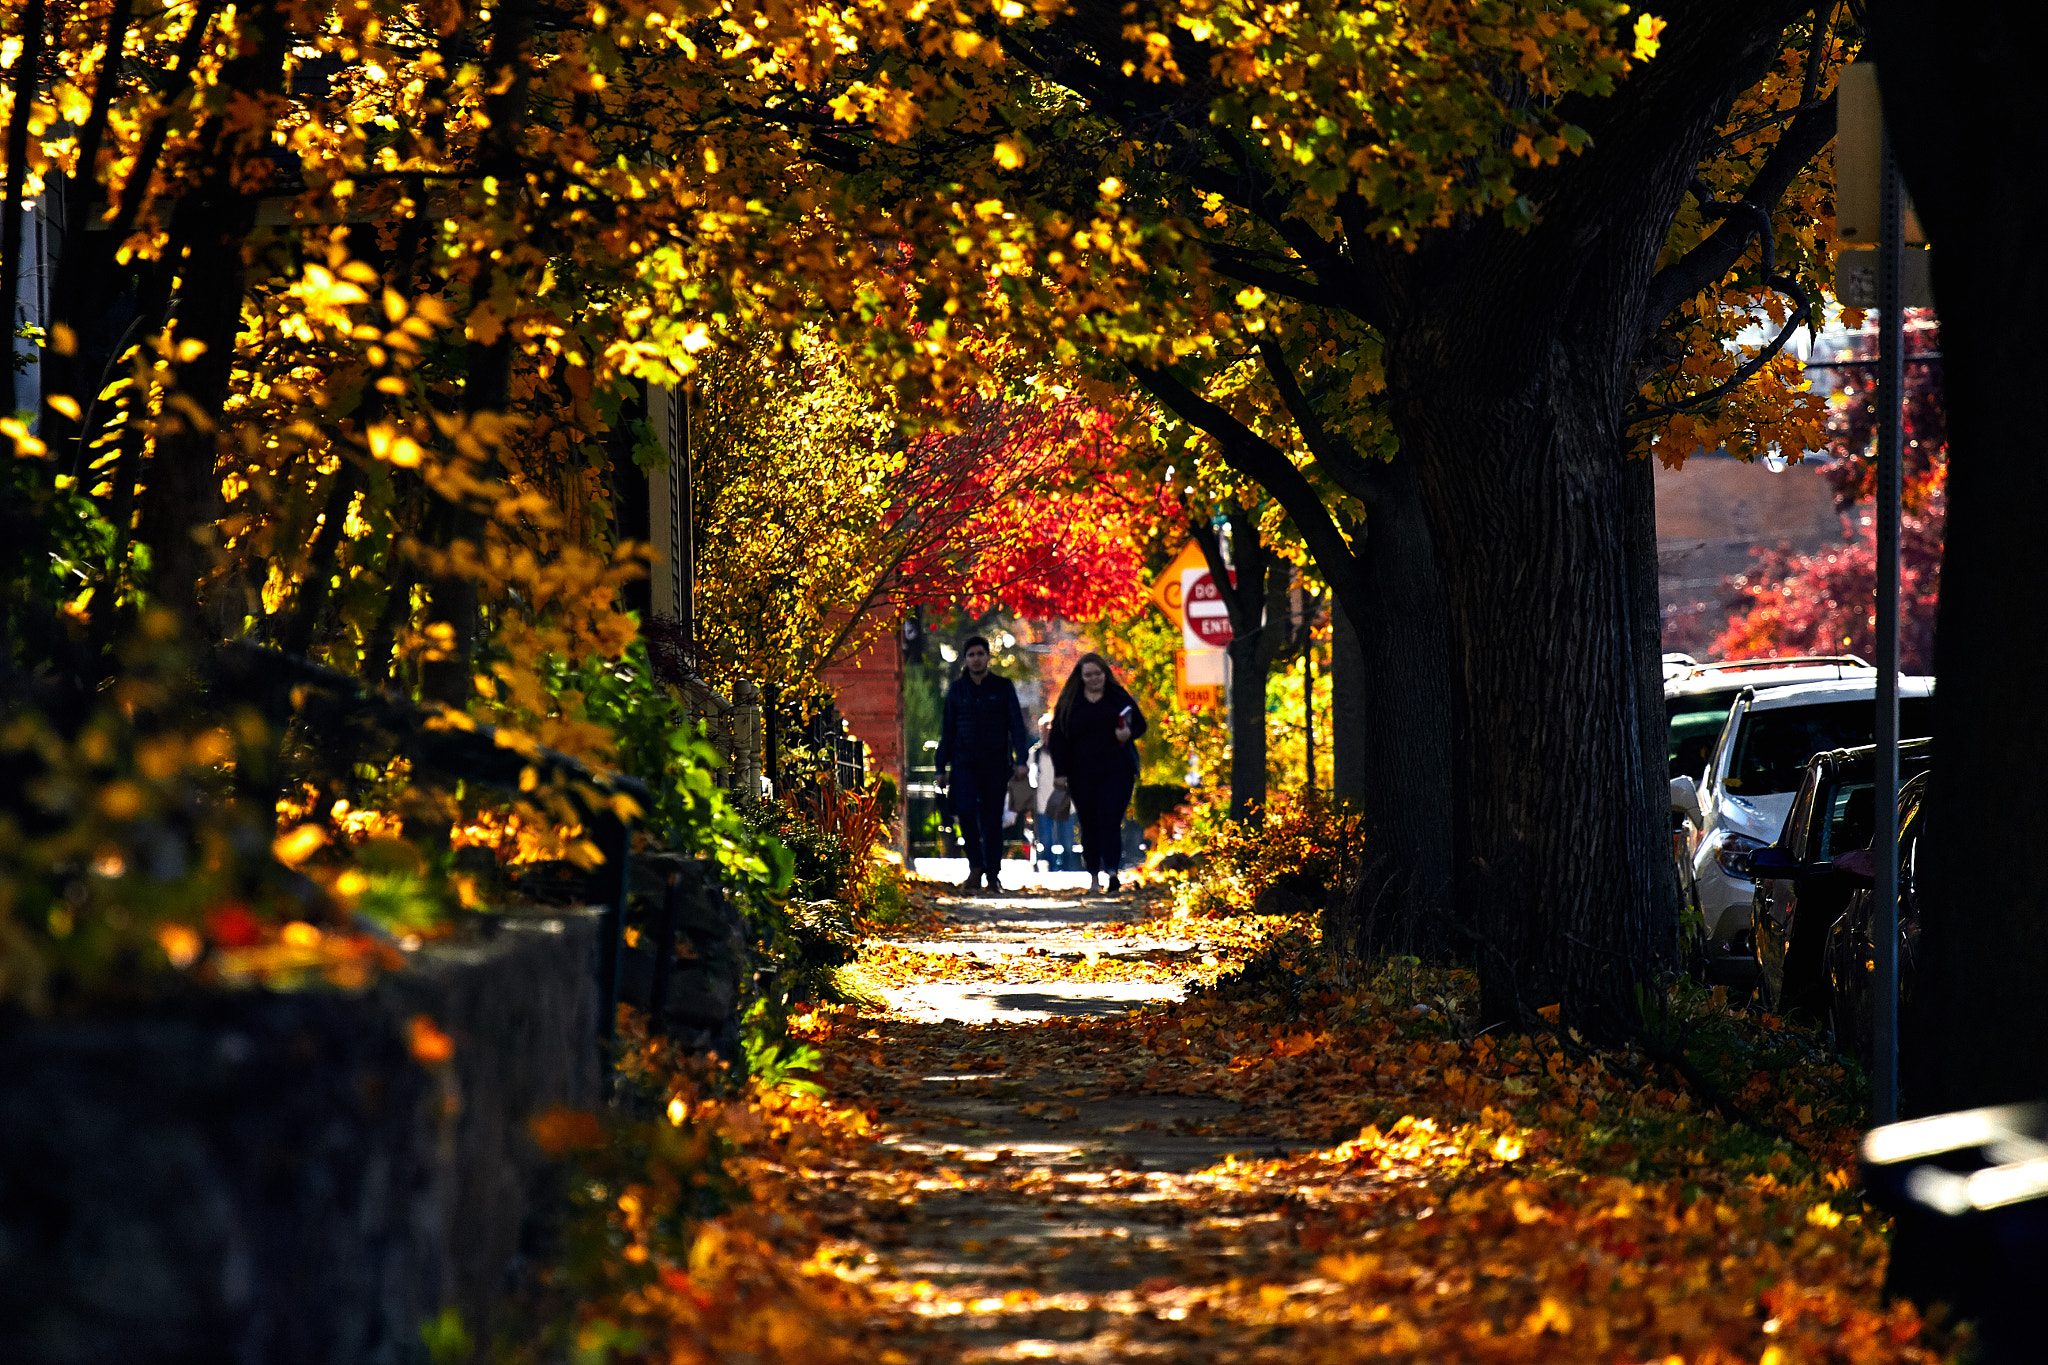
[1759, 817]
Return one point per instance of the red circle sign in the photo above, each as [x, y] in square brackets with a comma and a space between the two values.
[1208, 619]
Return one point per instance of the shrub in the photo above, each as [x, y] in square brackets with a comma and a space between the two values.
[821, 860]
[1308, 845]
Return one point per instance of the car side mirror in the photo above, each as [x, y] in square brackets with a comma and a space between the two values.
[1685, 799]
[1774, 861]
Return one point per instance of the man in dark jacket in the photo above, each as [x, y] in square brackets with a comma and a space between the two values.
[982, 744]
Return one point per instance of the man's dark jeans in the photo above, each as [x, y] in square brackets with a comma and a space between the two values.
[977, 794]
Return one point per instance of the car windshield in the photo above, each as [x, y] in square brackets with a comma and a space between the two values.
[1773, 746]
[1693, 734]
[1695, 725]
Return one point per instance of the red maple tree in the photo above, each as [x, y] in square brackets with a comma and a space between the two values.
[1026, 504]
[1825, 603]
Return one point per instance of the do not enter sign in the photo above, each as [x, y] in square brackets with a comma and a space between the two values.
[1205, 620]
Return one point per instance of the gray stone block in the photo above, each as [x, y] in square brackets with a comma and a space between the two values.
[270, 1177]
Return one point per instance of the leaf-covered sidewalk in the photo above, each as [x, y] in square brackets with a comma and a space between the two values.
[1284, 1166]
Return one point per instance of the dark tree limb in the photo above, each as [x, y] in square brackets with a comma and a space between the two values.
[1801, 317]
[1260, 461]
[1336, 457]
[1226, 260]
[86, 255]
[1717, 255]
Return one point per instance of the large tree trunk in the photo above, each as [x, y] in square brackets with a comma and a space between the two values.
[1401, 902]
[1511, 361]
[1978, 1033]
[1653, 729]
[1511, 358]
[1348, 703]
[1511, 408]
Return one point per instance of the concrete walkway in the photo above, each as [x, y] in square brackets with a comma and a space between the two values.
[1076, 1194]
[1058, 921]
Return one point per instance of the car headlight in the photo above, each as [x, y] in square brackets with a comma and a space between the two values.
[1733, 852]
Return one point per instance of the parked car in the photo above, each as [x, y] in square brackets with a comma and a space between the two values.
[1800, 893]
[1851, 958]
[1751, 777]
[1697, 696]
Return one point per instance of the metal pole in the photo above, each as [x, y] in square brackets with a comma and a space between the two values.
[1308, 700]
[1884, 845]
[688, 605]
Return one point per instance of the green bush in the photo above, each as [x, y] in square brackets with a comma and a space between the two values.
[822, 936]
[820, 862]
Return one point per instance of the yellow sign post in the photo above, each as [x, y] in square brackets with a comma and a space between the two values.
[1192, 696]
[1166, 596]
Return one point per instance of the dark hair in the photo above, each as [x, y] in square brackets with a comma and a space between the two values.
[1071, 691]
[974, 640]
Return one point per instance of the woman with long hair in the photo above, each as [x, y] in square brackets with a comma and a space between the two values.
[1095, 725]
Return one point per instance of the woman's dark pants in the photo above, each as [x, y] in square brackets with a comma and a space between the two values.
[1100, 800]
[977, 794]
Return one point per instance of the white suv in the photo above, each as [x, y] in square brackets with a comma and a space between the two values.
[1754, 772]
[1697, 696]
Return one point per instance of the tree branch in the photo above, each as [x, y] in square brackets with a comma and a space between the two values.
[1802, 317]
[1251, 455]
[1230, 261]
[1717, 255]
[1351, 473]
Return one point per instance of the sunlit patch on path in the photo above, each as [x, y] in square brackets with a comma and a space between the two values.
[1076, 1159]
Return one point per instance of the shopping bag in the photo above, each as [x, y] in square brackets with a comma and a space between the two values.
[1060, 805]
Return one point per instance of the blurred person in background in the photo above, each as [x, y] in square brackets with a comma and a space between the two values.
[1055, 835]
[1095, 725]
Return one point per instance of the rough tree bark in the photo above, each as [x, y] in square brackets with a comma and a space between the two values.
[1255, 594]
[1348, 702]
[208, 230]
[1383, 578]
[1961, 94]
[1401, 902]
[1511, 362]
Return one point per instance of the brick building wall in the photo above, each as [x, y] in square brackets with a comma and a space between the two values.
[868, 690]
[1712, 516]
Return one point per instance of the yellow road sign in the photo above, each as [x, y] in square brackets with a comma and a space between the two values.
[1166, 592]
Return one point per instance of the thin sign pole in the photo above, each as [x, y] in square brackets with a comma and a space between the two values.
[1891, 367]
[1308, 701]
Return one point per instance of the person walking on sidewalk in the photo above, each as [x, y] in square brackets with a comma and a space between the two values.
[982, 745]
[1054, 833]
[1095, 725]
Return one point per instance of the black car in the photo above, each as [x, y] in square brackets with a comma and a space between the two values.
[1800, 892]
[1851, 958]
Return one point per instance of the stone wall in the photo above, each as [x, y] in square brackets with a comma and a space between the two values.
[697, 1001]
[271, 1177]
